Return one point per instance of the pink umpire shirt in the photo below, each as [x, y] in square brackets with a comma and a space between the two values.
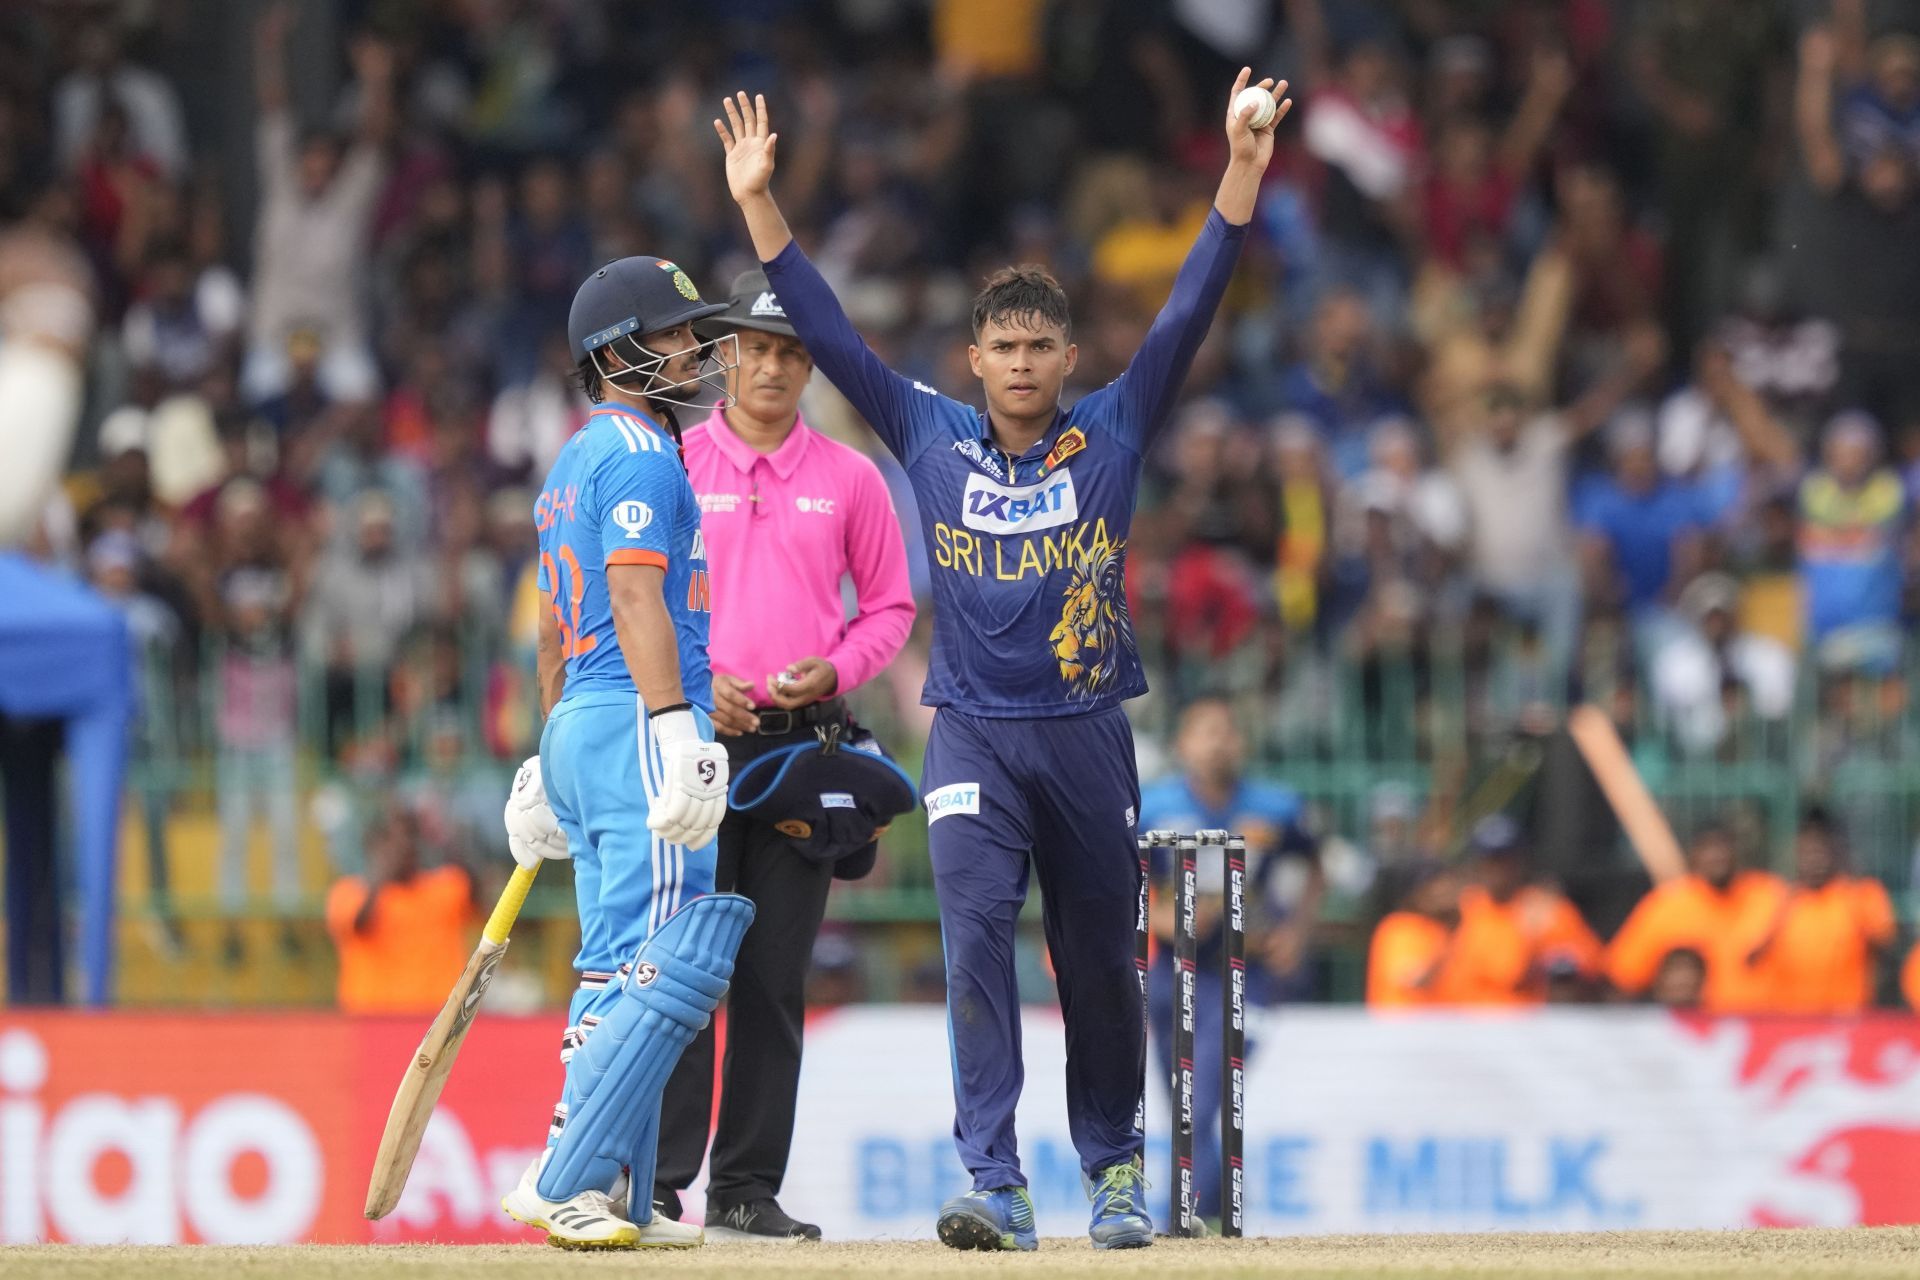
[781, 530]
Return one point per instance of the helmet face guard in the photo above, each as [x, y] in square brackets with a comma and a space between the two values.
[643, 376]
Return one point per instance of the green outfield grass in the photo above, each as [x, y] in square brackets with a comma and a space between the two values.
[1685, 1255]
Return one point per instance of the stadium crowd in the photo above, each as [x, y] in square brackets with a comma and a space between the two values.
[1578, 346]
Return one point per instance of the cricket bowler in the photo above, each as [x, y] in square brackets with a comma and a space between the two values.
[628, 779]
[1026, 509]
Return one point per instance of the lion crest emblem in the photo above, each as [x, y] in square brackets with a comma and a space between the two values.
[1094, 630]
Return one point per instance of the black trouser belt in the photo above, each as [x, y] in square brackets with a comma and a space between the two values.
[778, 720]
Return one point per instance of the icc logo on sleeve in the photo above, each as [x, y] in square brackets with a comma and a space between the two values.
[633, 517]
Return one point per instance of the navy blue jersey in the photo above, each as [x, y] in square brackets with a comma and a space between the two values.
[1028, 554]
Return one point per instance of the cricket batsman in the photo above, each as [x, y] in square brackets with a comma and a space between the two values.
[628, 779]
[1026, 509]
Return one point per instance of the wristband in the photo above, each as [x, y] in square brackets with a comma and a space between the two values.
[674, 724]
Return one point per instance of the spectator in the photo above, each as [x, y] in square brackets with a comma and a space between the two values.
[1142, 251]
[1853, 513]
[1618, 268]
[1361, 123]
[403, 932]
[1513, 930]
[1910, 979]
[1512, 474]
[1710, 673]
[1213, 792]
[120, 196]
[1872, 227]
[1422, 505]
[1825, 943]
[1484, 331]
[1301, 559]
[1475, 183]
[356, 462]
[1789, 358]
[316, 210]
[1641, 530]
[551, 249]
[1410, 962]
[1337, 386]
[1879, 110]
[1680, 983]
[102, 81]
[185, 323]
[366, 597]
[1703, 68]
[531, 421]
[256, 775]
[114, 560]
[1564, 183]
[1716, 909]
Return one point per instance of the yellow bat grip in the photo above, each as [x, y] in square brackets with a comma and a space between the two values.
[512, 898]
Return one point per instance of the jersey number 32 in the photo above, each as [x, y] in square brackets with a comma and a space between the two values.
[571, 586]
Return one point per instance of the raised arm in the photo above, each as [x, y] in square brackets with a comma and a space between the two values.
[1766, 441]
[1249, 150]
[270, 58]
[273, 132]
[1813, 110]
[750, 147]
[373, 70]
[899, 410]
[1153, 376]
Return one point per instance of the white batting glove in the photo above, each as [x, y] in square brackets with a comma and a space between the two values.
[690, 798]
[533, 833]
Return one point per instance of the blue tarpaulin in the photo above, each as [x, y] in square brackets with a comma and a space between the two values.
[64, 656]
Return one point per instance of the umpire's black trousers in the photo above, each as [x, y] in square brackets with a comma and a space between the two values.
[766, 1012]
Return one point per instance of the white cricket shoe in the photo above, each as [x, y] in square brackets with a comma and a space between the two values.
[585, 1221]
[659, 1232]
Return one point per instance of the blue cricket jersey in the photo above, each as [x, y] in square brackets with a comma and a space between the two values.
[618, 494]
[1029, 553]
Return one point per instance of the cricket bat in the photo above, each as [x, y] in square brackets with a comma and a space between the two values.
[432, 1062]
[1646, 827]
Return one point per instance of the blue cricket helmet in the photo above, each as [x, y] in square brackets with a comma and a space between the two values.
[622, 303]
[634, 296]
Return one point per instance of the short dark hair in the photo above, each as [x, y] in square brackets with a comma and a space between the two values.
[1027, 294]
[1690, 956]
[590, 382]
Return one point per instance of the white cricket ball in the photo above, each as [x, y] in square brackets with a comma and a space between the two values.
[1262, 103]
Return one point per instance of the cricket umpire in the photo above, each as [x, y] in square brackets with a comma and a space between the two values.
[787, 514]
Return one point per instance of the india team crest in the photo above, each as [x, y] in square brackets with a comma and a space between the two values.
[681, 280]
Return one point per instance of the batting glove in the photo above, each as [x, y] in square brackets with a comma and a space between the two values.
[533, 833]
[687, 791]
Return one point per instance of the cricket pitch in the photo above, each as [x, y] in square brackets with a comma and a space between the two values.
[1638, 1255]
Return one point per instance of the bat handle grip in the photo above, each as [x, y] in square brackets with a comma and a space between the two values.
[512, 898]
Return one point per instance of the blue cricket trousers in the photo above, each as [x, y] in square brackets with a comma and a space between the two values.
[1058, 795]
[596, 756]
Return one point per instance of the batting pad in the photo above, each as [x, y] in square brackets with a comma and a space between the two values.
[618, 1073]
